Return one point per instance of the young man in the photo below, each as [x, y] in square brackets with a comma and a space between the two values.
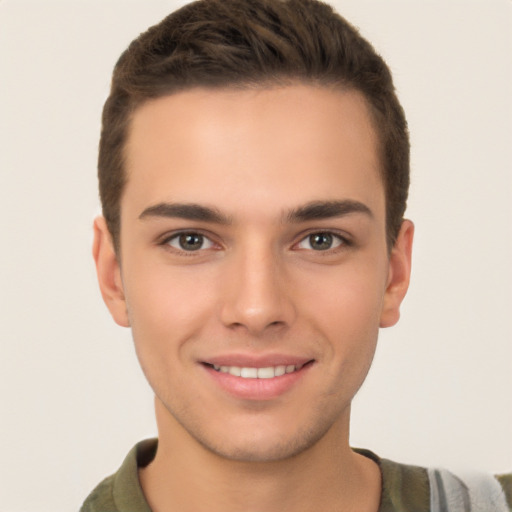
[254, 168]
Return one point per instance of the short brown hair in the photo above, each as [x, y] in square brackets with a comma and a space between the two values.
[252, 43]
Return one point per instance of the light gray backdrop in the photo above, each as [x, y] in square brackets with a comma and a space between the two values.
[72, 398]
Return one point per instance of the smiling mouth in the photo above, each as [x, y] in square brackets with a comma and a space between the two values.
[268, 372]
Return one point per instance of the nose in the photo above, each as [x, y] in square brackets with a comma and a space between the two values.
[257, 293]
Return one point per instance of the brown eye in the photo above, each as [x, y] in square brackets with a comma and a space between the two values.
[321, 241]
[190, 242]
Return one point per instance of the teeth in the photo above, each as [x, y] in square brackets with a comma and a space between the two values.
[279, 370]
[249, 373]
[266, 373]
[257, 373]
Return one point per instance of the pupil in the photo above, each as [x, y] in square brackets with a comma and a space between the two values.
[191, 242]
[321, 241]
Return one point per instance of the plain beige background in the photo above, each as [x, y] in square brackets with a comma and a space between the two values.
[73, 400]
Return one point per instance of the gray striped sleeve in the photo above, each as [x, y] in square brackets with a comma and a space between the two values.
[468, 492]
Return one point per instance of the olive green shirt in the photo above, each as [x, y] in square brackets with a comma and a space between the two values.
[404, 488]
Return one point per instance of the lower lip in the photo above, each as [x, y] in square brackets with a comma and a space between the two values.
[257, 389]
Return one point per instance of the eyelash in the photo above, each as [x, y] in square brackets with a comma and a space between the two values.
[342, 242]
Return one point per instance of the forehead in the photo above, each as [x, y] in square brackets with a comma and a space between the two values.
[278, 146]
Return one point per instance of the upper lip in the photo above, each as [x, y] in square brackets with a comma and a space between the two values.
[256, 360]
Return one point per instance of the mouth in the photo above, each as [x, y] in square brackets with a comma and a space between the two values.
[264, 379]
[268, 372]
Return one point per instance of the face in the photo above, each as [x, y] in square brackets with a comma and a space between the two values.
[254, 268]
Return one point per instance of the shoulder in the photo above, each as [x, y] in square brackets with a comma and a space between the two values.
[415, 488]
[506, 484]
[101, 499]
[408, 487]
[121, 492]
[405, 487]
[469, 490]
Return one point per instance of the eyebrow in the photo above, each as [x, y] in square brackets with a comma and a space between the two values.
[189, 211]
[318, 210]
[315, 210]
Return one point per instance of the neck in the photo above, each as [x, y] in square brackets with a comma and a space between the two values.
[185, 476]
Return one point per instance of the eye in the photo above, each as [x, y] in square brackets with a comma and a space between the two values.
[189, 242]
[321, 241]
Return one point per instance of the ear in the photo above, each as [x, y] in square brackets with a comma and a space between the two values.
[109, 273]
[398, 275]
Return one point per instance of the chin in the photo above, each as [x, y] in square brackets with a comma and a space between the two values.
[257, 447]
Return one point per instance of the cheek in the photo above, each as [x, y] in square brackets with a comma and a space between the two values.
[346, 309]
[354, 292]
[167, 307]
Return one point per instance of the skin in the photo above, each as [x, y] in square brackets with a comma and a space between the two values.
[257, 286]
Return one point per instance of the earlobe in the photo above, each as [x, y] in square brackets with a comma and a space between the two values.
[109, 273]
[398, 276]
